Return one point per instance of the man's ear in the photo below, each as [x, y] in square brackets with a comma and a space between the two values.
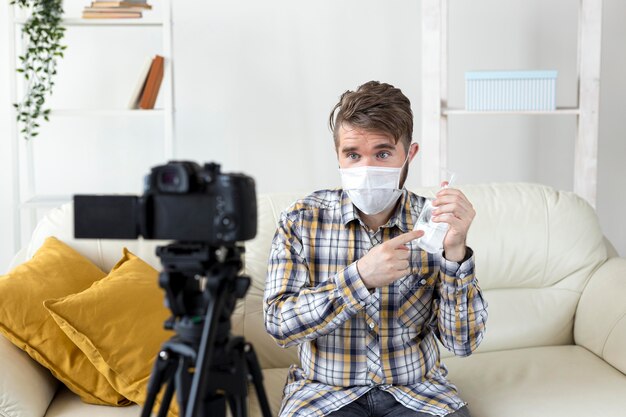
[413, 149]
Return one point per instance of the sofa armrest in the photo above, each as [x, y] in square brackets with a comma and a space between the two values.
[600, 323]
[26, 388]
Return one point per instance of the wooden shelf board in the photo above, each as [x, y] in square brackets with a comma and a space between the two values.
[558, 111]
[79, 21]
[105, 112]
[46, 201]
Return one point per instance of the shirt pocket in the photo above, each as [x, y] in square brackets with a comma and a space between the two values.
[414, 301]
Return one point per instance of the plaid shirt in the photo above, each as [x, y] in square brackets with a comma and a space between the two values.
[350, 339]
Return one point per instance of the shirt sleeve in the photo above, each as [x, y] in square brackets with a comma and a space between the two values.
[294, 311]
[461, 310]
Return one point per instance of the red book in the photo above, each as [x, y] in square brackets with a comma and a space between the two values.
[153, 84]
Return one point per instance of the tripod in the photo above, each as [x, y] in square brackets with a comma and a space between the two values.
[203, 363]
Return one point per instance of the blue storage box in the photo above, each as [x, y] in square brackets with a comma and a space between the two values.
[510, 90]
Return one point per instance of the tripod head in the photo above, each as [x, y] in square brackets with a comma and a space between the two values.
[190, 271]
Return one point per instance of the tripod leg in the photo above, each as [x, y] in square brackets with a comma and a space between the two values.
[167, 399]
[183, 382]
[237, 405]
[257, 379]
[162, 372]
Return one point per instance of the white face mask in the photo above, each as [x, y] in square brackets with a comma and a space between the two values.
[372, 189]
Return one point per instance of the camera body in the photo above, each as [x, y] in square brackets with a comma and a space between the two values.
[182, 201]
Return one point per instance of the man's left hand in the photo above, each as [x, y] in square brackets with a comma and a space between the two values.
[452, 207]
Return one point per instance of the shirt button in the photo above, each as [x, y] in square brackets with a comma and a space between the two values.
[463, 275]
[460, 308]
[423, 282]
[372, 325]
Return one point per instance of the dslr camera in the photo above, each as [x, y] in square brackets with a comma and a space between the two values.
[181, 201]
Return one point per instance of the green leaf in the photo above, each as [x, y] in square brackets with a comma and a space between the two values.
[42, 35]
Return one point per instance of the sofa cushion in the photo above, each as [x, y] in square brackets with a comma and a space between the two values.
[536, 249]
[118, 324]
[54, 271]
[274, 382]
[66, 404]
[533, 236]
[541, 381]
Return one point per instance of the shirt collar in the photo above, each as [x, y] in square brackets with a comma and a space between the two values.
[401, 218]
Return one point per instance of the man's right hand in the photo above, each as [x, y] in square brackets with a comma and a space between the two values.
[387, 262]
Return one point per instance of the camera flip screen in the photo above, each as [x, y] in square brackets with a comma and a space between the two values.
[105, 217]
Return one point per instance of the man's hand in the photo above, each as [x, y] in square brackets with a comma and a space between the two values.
[452, 207]
[388, 261]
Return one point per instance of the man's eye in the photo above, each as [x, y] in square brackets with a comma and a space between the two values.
[384, 155]
[353, 156]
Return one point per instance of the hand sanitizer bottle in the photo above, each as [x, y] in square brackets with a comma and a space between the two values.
[434, 233]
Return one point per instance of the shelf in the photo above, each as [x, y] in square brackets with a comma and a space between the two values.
[106, 112]
[559, 111]
[78, 21]
[46, 201]
[436, 114]
[28, 198]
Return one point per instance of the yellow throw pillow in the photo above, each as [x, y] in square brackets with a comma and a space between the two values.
[55, 270]
[118, 323]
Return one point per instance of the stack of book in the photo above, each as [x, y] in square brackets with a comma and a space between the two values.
[113, 9]
[148, 84]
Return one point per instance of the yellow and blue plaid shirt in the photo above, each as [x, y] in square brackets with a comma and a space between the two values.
[350, 339]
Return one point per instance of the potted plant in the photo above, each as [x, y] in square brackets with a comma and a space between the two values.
[42, 34]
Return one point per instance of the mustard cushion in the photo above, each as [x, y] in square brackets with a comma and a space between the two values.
[55, 270]
[124, 341]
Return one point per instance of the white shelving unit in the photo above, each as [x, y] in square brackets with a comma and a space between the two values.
[435, 111]
[24, 193]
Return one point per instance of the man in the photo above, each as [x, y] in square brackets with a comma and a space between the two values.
[348, 284]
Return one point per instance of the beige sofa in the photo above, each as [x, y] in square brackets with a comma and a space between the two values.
[556, 335]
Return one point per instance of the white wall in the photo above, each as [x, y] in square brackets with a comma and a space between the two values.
[611, 205]
[263, 77]
[255, 81]
[6, 175]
